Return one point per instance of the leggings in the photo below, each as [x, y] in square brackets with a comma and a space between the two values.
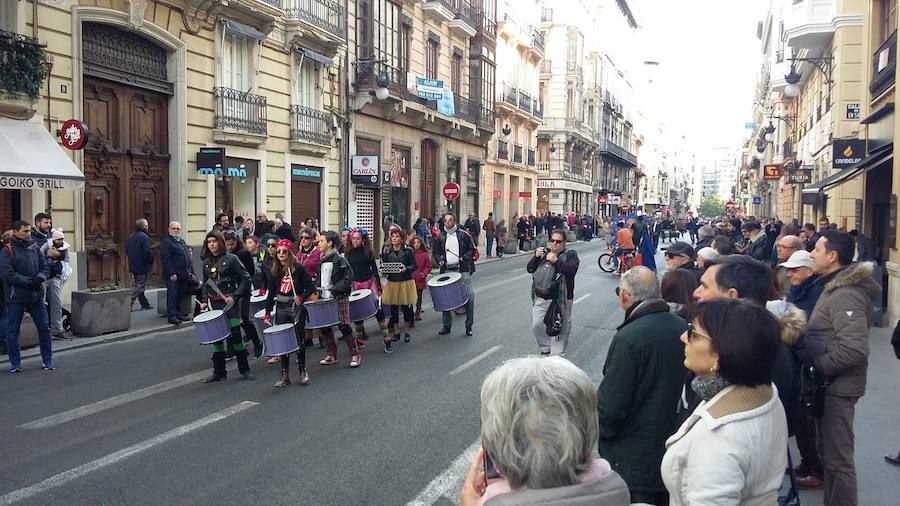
[284, 314]
[395, 314]
[246, 323]
[346, 335]
[419, 300]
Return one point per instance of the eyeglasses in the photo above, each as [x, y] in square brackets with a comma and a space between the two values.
[305, 238]
[282, 251]
[555, 241]
[617, 290]
[691, 332]
[270, 245]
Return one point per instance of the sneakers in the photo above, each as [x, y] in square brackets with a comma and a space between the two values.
[406, 337]
[387, 347]
[214, 378]
[48, 366]
[444, 331]
[328, 360]
[14, 370]
[257, 350]
[360, 344]
[395, 337]
[355, 361]
[469, 331]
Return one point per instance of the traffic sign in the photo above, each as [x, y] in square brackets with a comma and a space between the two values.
[757, 199]
[450, 190]
[601, 199]
[729, 205]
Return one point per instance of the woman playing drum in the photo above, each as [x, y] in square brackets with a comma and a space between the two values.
[308, 256]
[400, 290]
[235, 247]
[336, 280]
[365, 276]
[289, 286]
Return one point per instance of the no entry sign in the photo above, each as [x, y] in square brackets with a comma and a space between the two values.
[729, 205]
[450, 191]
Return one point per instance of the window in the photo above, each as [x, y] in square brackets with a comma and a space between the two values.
[237, 57]
[405, 46]
[888, 18]
[306, 84]
[488, 74]
[456, 75]
[378, 30]
[432, 52]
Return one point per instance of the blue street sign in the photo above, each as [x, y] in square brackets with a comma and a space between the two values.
[757, 199]
[750, 125]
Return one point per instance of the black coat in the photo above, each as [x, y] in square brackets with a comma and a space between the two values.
[174, 257]
[341, 274]
[303, 286]
[466, 251]
[642, 380]
[285, 232]
[405, 256]
[23, 269]
[568, 266]
[865, 249]
[805, 295]
[229, 275]
[759, 249]
[139, 250]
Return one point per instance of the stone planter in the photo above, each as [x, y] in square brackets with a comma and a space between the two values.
[96, 313]
[570, 236]
[512, 245]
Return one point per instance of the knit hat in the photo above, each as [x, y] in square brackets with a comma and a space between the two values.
[57, 234]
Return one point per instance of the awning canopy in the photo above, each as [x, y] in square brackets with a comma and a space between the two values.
[245, 30]
[875, 158]
[314, 56]
[32, 160]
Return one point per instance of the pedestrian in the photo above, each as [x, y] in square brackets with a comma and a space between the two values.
[234, 246]
[335, 278]
[173, 254]
[553, 281]
[705, 256]
[262, 262]
[680, 255]
[693, 226]
[538, 428]
[785, 247]
[757, 245]
[723, 245]
[864, 250]
[223, 223]
[24, 271]
[490, 231]
[522, 232]
[474, 228]
[705, 235]
[283, 230]
[139, 250]
[289, 286]
[502, 236]
[733, 447]
[400, 289]
[895, 342]
[423, 270]
[40, 234]
[677, 289]
[837, 344]
[308, 255]
[455, 251]
[361, 257]
[641, 382]
[4, 239]
[59, 274]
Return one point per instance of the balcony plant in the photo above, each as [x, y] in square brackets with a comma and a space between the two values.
[23, 65]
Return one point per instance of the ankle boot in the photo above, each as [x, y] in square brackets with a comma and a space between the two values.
[285, 379]
[304, 376]
[243, 364]
[218, 360]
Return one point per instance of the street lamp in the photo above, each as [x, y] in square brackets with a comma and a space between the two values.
[792, 78]
[381, 83]
[769, 132]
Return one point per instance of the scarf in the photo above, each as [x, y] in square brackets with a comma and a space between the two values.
[708, 388]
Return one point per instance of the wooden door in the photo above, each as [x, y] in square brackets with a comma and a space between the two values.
[429, 171]
[305, 203]
[126, 165]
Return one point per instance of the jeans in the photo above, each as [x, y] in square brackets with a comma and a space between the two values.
[14, 313]
[174, 294]
[470, 305]
[490, 244]
[137, 290]
[545, 342]
[54, 300]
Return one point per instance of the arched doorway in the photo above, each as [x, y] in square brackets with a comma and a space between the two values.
[429, 175]
[126, 93]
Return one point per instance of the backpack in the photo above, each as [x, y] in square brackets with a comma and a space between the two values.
[553, 319]
[546, 279]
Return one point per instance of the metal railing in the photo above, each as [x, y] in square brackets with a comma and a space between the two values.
[487, 25]
[517, 153]
[23, 67]
[522, 100]
[609, 147]
[884, 65]
[273, 3]
[325, 14]
[240, 111]
[530, 159]
[502, 150]
[311, 125]
[538, 40]
[450, 4]
[466, 13]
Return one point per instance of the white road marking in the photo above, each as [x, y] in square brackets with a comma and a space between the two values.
[113, 458]
[479, 358]
[112, 402]
[448, 483]
[579, 299]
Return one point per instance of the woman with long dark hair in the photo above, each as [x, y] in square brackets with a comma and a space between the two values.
[423, 270]
[234, 246]
[361, 256]
[400, 289]
[677, 288]
[289, 286]
[335, 279]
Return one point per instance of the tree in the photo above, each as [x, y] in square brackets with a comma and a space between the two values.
[711, 205]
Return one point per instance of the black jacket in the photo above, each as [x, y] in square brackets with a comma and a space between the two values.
[229, 275]
[303, 286]
[706, 242]
[39, 237]
[405, 256]
[285, 232]
[262, 270]
[466, 251]
[568, 266]
[23, 270]
[759, 249]
[139, 250]
[174, 257]
[805, 295]
[364, 267]
[341, 274]
[865, 249]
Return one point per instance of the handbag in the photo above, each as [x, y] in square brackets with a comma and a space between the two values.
[553, 319]
[813, 388]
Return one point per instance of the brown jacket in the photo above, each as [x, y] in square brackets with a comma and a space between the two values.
[837, 338]
[488, 226]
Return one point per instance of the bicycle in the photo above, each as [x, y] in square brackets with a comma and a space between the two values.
[606, 263]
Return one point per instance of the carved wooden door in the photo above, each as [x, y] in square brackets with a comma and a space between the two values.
[126, 166]
[429, 170]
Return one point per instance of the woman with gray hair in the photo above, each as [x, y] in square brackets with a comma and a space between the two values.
[539, 426]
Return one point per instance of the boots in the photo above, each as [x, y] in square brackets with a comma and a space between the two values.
[243, 365]
[304, 376]
[285, 379]
[218, 360]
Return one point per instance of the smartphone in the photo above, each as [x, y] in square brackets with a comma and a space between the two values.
[490, 471]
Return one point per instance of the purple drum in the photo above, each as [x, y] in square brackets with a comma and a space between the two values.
[321, 313]
[257, 302]
[363, 305]
[448, 291]
[261, 324]
[211, 326]
[280, 340]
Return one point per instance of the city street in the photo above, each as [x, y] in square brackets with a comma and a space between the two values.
[130, 422]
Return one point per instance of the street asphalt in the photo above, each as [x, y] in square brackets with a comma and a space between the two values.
[129, 422]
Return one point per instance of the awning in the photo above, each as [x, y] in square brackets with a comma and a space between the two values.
[245, 30]
[875, 158]
[32, 160]
[314, 56]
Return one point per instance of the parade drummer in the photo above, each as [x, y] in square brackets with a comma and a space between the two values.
[236, 247]
[289, 286]
[400, 289]
[232, 281]
[308, 255]
[336, 281]
[361, 256]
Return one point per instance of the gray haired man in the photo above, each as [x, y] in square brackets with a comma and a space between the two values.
[139, 250]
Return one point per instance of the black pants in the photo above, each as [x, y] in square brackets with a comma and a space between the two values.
[395, 315]
[660, 499]
[419, 300]
[284, 313]
[246, 323]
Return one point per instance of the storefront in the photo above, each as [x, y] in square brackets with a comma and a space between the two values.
[563, 196]
[236, 179]
[365, 176]
[306, 194]
[473, 187]
[397, 187]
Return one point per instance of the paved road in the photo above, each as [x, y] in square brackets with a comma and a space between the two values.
[130, 423]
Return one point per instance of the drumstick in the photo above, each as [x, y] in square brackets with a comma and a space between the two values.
[212, 284]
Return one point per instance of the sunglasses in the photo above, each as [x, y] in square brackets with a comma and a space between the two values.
[305, 238]
[270, 245]
[617, 291]
[282, 251]
[691, 332]
[555, 241]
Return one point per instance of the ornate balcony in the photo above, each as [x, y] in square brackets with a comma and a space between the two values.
[262, 14]
[21, 75]
[465, 21]
[502, 150]
[440, 10]
[517, 153]
[808, 24]
[610, 148]
[521, 102]
[309, 127]
[324, 17]
[884, 65]
[538, 42]
[240, 117]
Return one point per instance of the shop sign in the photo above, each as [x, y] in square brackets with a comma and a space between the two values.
[615, 199]
[39, 183]
[772, 172]
[211, 160]
[304, 173]
[429, 89]
[800, 176]
[451, 190]
[847, 152]
[498, 194]
[561, 184]
[74, 134]
[525, 195]
[471, 186]
[852, 111]
[364, 170]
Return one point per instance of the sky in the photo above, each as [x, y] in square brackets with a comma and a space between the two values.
[709, 58]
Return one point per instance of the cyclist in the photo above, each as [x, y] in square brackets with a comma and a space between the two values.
[624, 242]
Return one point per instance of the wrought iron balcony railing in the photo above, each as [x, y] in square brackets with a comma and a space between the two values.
[530, 157]
[884, 65]
[466, 13]
[502, 150]
[23, 67]
[538, 40]
[609, 147]
[517, 153]
[522, 100]
[325, 14]
[310, 125]
[240, 111]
